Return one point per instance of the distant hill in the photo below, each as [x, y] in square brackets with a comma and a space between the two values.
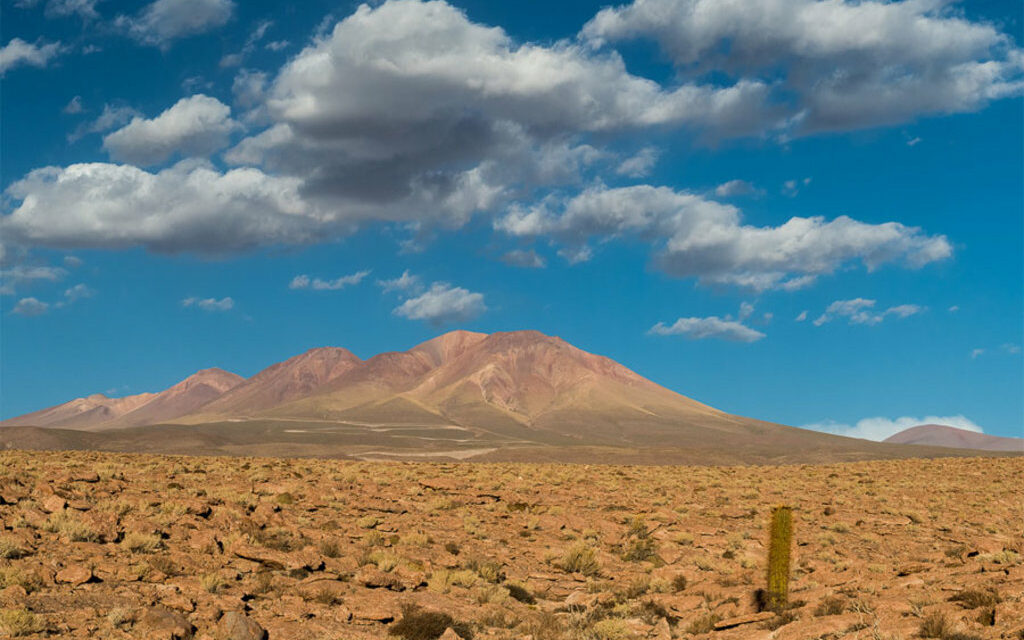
[519, 395]
[938, 435]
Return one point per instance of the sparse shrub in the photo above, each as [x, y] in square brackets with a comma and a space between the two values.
[544, 626]
[212, 583]
[10, 549]
[417, 624]
[121, 617]
[279, 539]
[520, 593]
[581, 558]
[452, 548]
[703, 624]
[330, 548]
[264, 582]
[987, 617]
[679, 582]
[609, 629]
[639, 549]
[384, 560]
[284, 498]
[142, 543]
[489, 570]
[369, 522]
[780, 620]
[20, 622]
[164, 565]
[831, 606]
[975, 598]
[935, 625]
[68, 525]
[29, 581]
[326, 597]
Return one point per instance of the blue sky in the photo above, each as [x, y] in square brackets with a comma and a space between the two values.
[805, 224]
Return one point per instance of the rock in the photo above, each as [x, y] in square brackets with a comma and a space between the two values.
[83, 476]
[238, 626]
[13, 595]
[74, 575]
[164, 624]
[449, 634]
[662, 631]
[377, 579]
[53, 504]
[367, 607]
[179, 602]
[580, 600]
[729, 623]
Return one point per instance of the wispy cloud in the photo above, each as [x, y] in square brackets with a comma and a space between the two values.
[304, 282]
[528, 259]
[710, 327]
[407, 282]
[209, 304]
[861, 311]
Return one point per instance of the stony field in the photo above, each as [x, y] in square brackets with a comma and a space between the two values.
[136, 546]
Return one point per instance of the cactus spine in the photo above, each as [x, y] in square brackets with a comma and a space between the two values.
[778, 557]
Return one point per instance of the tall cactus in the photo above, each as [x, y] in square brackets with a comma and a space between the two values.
[778, 558]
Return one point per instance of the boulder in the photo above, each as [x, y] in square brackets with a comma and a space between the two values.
[238, 626]
[160, 623]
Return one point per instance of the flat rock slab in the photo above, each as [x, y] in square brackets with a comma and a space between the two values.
[751, 618]
[74, 575]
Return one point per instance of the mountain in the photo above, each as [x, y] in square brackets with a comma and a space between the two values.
[938, 435]
[513, 396]
[82, 412]
[182, 399]
[98, 412]
[294, 378]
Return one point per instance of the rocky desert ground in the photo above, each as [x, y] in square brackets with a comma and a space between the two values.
[107, 545]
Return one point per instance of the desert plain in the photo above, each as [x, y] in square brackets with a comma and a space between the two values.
[112, 545]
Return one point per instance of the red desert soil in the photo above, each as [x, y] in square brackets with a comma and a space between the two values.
[104, 545]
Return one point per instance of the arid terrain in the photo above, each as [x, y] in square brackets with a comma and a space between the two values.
[106, 545]
[518, 396]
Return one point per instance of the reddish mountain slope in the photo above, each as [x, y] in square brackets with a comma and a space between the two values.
[297, 377]
[938, 435]
[82, 412]
[97, 411]
[182, 399]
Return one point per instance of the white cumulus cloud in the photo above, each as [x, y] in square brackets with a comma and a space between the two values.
[30, 307]
[18, 53]
[443, 304]
[834, 65]
[194, 126]
[693, 236]
[881, 428]
[160, 23]
[187, 207]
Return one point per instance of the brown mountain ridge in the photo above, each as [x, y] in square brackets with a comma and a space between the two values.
[940, 435]
[518, 395]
